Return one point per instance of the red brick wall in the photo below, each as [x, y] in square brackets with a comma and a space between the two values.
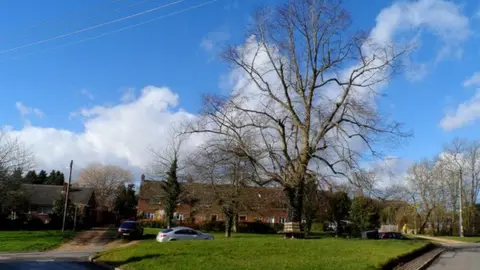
[205, 214]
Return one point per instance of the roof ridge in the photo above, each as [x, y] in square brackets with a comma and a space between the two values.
[43, 185]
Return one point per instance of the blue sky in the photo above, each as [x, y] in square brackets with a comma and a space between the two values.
[57, 95]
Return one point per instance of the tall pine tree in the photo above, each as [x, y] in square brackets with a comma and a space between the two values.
[172, 192]
[30, 177]
[55, 178]
[42, 178]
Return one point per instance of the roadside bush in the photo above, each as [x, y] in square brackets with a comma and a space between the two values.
[148, 223]
[256, 227]
[212, 226]
[278, 227]
[33, 223]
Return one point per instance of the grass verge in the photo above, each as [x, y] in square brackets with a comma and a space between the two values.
[250, 251]
[22, 241]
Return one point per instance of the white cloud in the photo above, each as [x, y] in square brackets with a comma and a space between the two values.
[390, 171]
[128, 95]
[119, 134]
[25, 111]
[466, 113]
[87, 93]
[472, 81]
[212, 41]
[443, 19]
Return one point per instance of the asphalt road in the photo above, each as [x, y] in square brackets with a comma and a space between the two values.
[458, 258]
[47, 265]
[74, 260]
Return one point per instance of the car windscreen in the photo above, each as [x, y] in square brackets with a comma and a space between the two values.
[128, 225]
[167, 230]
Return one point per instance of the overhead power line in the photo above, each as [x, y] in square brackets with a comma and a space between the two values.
[78, 19]
[130, 26]
[92, 27]
[68, 15]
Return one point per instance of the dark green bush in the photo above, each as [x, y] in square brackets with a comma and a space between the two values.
[256, 227]
[212, 226]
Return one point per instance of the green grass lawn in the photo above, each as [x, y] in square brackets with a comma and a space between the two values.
[469, 239]
[251, 251]
[14, 241]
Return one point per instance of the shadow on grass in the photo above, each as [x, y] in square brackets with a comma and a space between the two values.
[133, 260]
[148, 237]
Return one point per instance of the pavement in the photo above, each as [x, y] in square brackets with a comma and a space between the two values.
[458, 257]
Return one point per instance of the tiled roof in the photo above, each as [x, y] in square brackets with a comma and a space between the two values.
[48, 194]
[151, 191]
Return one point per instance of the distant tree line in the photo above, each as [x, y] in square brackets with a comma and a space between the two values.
[42, 178]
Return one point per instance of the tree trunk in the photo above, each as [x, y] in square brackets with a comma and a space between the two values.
[295, 202]
[235, 223]
[228, 226]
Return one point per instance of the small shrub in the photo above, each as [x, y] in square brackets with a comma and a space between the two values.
[148, 223]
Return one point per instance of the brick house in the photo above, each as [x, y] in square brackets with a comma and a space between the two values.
[258, 203]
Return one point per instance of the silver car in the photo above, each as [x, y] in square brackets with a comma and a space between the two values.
[182, 233]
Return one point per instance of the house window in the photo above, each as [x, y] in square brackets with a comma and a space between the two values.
[148, 215]
[283, 220]
[179, 216]
[45, 210]
[243, 218]
[214, 218]
[271, 220]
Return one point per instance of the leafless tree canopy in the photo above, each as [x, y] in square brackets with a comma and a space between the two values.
[228, 175]
[162, 158]
[304, 99]
[13, 153]
[435, 187]
[105, 180]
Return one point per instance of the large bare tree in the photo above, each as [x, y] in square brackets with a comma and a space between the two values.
[105, 180]
[305, 89]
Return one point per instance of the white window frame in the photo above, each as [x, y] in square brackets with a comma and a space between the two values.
[180, 217]
[149, 215]
[271, 220]
[282, 220]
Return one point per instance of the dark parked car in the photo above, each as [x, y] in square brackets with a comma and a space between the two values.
[391, 235]
[130, 229]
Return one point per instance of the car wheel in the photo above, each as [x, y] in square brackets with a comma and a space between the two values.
[172, 240]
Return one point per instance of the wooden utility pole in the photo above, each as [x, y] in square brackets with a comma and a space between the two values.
[66, 196]
[460, 218]
[75, 219]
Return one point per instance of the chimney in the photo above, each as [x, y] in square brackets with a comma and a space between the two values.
[142, 177]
